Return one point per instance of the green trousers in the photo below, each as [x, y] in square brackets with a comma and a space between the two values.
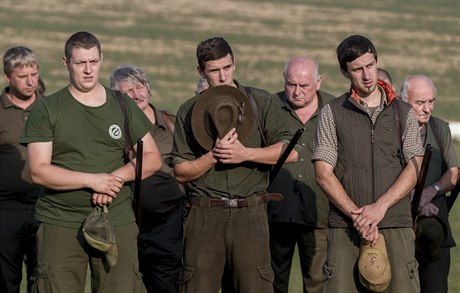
[238, 238]
[64, 255]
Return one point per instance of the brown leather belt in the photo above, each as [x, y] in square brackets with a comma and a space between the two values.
[233, 202]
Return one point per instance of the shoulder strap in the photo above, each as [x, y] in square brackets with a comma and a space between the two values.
[399, 132]
[168, 120]
[435, 128]
[256, 112]
[121, 103]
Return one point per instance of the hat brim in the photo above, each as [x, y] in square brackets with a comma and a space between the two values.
[198, 120]
[111, 255]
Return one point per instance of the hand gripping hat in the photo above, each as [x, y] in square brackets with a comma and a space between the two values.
[373, 265]
[219, 109]
[98, 232]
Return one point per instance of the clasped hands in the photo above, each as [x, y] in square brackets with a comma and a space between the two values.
[105, 188]
[366, 219]
[228, 149]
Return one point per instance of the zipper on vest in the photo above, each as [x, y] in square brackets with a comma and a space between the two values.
[372, 160]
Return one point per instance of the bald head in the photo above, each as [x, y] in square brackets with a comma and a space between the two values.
[420, 92]
[301, 81]
[301, 64]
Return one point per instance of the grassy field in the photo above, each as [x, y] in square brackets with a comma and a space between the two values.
[412, 37]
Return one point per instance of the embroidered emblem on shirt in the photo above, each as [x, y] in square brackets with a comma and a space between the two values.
[115, 131]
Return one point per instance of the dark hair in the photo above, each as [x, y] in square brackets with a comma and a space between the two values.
[212, 49]
[83, 40]
[354, 47]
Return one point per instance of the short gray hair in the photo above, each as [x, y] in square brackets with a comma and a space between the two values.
[18, 57]
[128, 73]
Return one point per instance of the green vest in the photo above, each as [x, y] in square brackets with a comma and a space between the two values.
[369, 158]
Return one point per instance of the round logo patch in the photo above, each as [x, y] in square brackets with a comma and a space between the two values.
[115, 131]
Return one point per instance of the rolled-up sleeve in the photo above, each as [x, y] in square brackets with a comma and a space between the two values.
[325, 148]
[412, 143]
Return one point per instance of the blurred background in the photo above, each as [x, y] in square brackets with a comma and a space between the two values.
[411, 37]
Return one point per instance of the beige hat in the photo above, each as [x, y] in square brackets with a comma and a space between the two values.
[373, 265]
[219, 109]
[98, 232]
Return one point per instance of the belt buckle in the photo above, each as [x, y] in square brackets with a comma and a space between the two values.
[231, 203]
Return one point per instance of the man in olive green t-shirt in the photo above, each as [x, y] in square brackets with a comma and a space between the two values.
[75, 141]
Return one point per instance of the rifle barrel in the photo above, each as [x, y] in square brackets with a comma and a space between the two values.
[138, 178]
[421, 181]
[286, 153]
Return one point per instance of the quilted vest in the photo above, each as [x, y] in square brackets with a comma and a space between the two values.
[369, 158]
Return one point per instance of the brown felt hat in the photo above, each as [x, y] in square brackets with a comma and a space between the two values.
[373, 265]
[98, 232]
[219, 109]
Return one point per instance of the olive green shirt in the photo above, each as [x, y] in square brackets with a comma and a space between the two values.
[304, 202]
[85, 139]
[16, 188]
[230, 180]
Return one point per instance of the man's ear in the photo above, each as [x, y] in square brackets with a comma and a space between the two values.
[200, 72]
[102, 56]
[319, 79]
[345, 73]
[64, 62]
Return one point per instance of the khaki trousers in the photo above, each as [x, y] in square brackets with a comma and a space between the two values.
[341, 268]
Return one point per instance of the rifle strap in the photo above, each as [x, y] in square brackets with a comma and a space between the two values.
[128, 146]
[435, 128]
[399, 132]
[168, 121]
[255, 110]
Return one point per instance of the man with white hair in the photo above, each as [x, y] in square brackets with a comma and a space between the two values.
[433, 252]
[301, 218]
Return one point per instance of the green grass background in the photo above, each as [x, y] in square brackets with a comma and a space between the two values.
[412, 37]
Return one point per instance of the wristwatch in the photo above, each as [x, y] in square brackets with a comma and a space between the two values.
[436, 187]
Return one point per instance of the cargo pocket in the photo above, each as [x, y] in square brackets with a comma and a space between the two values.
[328, 270]
[329, 283]
[266, 278]
[41, 279]
[138, 284]
[412, 269]
[186, 282]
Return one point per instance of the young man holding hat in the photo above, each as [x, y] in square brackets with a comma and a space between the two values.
[434, 236]
[76, 142]
[359, 165]
[219, 152]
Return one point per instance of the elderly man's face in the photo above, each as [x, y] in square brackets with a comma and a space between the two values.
[136, 91]
[421, 97]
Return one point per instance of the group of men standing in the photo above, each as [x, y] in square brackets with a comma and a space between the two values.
[345, 184]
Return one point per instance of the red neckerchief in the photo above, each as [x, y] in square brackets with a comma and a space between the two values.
[386, 88]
